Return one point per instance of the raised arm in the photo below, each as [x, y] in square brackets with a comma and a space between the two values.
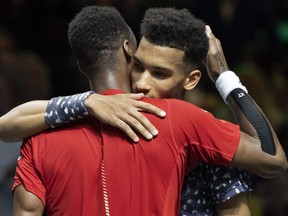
[121, 111]
[259, 150]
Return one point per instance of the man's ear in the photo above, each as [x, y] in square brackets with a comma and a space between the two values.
[127, 50]
[192, 80]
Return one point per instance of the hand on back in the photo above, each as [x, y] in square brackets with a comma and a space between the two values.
[123, 111]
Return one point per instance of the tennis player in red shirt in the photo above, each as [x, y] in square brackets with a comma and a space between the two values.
[118, 168]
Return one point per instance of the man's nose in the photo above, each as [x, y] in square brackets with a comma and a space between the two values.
[143, 84]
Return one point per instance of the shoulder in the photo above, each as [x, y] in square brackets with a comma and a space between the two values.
[69, 131]
[174, 105]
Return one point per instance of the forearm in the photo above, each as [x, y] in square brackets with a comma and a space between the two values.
[23, 121]
[248, 115]
[259, 150]
[252, 120]
[121, 111]
[257, 133]
[35, 116]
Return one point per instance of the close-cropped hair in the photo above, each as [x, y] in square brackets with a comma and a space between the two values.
[96, 33]
[178, 29]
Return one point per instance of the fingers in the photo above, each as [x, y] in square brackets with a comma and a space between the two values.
[133, 120]
[215, 60]
[209, 33]
[123, 126]
[213, 48]
[219, 46]
[208, 30]
[147, 107]
[143, 124]
[214, 43]
[130, 124]
[137, 96]
[143, 106]
[122, 111]
[138, 122]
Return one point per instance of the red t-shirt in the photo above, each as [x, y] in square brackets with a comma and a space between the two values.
[63, 167]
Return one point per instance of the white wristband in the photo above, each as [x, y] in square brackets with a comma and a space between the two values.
[227, 82]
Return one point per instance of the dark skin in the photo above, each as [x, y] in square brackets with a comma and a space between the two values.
[159, 77]
[248, 133]
[237, 205]
[28, 203]
[248, 155]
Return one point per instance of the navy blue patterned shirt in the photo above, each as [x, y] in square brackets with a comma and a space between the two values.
[208, 185]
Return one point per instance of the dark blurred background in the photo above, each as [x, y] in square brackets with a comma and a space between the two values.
[37, 63]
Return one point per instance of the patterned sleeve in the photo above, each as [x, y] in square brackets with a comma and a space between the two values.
[208, 185]
[227, 182]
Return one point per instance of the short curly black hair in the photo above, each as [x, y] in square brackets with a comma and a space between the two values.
[178, 29]
[96, 33]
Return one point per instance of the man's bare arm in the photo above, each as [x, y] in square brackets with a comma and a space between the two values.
[26, 203]
[121, 111]
[22, 121]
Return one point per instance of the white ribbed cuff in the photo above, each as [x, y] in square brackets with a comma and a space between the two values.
[227, 82]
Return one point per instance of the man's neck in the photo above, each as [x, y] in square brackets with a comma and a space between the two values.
[110, 81]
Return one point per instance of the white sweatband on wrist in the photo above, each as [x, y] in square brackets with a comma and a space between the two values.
[227, 82]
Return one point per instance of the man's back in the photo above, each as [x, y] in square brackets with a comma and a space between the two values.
[139, 179]
[146, 178]
[62, 168]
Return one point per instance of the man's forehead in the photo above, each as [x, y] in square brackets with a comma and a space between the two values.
[146, 43]
[148, 51]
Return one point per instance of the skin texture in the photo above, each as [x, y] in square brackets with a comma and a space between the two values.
[238, 205]
[242, 156]
[249, 148]
[26, 203]
[124, 113]
[159, 72]
[29, 118]
[164, 77]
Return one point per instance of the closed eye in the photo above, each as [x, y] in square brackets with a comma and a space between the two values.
[138, 67]
[159, 74]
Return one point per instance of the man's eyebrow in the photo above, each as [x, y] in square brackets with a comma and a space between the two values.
[159, 68]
